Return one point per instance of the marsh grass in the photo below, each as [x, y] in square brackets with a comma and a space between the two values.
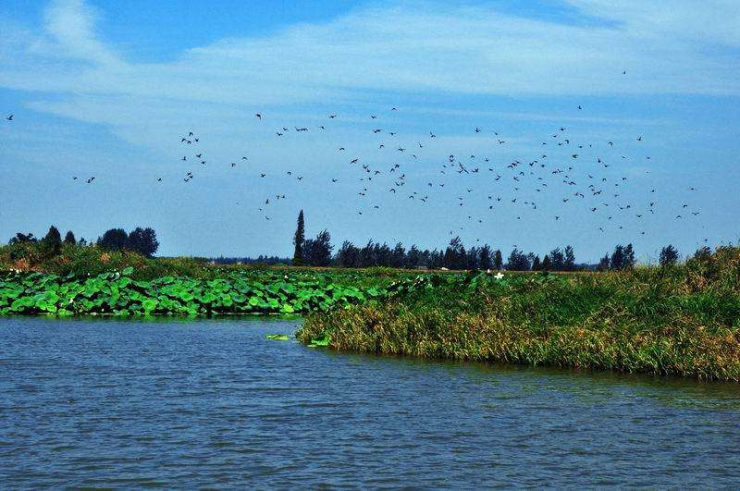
[683, 321]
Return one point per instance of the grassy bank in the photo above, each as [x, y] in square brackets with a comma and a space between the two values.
[683, 320]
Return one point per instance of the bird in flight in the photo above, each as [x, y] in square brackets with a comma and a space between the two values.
[258, 116]
[10, 118]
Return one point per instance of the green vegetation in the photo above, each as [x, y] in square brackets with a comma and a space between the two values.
[230, 292]
[277, 337]
[676, 320]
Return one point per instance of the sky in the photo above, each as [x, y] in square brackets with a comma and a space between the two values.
[109, 90]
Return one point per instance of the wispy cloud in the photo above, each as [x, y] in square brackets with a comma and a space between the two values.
[665, 49]
[424, 48]
[71, 24]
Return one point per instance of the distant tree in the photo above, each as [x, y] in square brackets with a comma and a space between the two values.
[307, 251]
[298, 240]
[367, 255]
[546, 263]
[82, 241]
[536, 264]
[485, 258]
[703, 253]
[498, 260]
[668, 256]
[557, 259]
[570, 259]
[21, 238]
[52, 242]
[144, 241]
[436, 259]
[518, 261]
[398, 256]
[629, 257]
[320, 251]
[473, 258]
[382, 255]
[114, 239]
[69, 238]
[425, 258]
[617, 260]
[348, 256]
[603, 263]
[455, 256]
[413, 257]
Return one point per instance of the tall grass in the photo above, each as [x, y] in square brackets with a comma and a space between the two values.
[683, 320]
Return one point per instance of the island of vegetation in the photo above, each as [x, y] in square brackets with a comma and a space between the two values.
[667, 319]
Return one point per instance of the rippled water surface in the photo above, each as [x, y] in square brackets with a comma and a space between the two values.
[212, 403]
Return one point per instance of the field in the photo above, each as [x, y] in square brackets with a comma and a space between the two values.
[682, 320]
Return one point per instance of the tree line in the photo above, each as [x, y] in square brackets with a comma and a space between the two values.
[319, 251]
[141, 240]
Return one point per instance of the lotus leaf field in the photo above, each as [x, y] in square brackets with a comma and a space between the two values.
[233, 292]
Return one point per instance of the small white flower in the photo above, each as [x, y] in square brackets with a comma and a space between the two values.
[499, 276]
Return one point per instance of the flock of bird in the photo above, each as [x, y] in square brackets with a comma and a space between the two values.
[574, 173]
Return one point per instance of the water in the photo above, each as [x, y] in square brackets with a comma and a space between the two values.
[212, 403]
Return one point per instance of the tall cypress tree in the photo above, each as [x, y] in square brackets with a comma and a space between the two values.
[52, 243]
[298, 240]
[70, 238]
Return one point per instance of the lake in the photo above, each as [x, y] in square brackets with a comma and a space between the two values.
[103, 403]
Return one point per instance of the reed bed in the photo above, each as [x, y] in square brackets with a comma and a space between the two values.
[682, 320]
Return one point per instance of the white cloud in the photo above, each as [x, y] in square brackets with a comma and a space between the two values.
[71, 23]
[406, 51]
[665, 49]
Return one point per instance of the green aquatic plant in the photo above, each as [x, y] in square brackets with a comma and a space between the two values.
[277, 337]
[119, 293]
[322, 340]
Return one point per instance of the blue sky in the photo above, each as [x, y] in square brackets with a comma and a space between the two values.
[107, 89]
